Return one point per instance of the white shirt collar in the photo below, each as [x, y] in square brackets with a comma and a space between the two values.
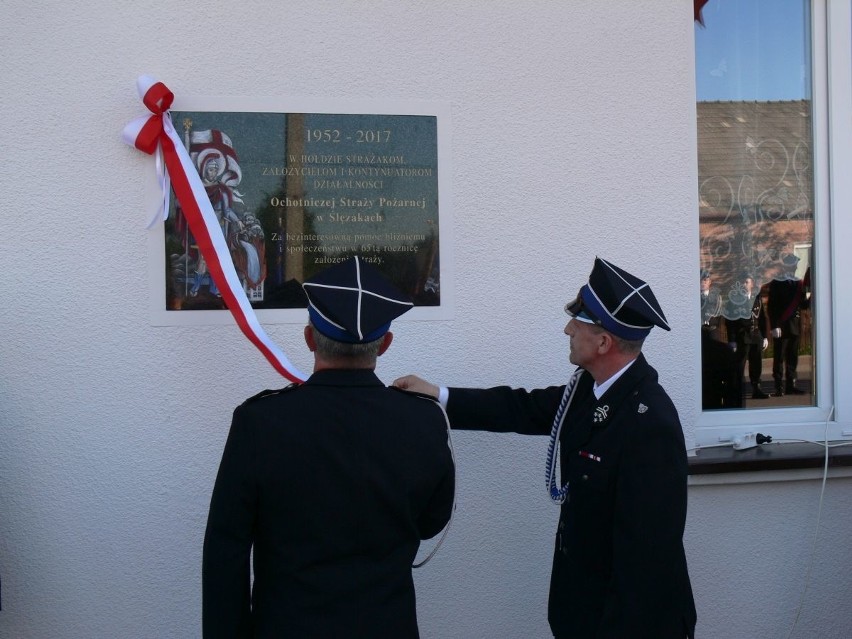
[599, 390]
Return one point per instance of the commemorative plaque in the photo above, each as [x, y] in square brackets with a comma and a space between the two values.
[296, 192]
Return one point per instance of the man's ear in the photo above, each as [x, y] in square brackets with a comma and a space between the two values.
[386, 342]
[605, 343]
[309, 338]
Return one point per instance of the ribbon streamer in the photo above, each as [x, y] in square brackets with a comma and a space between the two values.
[155, 134]
[558, 495]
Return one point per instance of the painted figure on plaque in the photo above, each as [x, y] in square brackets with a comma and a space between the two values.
[216, 160]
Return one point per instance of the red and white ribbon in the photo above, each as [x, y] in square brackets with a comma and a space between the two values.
[155, 134]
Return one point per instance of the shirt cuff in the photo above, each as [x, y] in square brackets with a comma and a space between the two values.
[443, 396]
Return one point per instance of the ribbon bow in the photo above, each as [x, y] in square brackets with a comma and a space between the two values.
[146, 131]
[158, 99]
[154, 134]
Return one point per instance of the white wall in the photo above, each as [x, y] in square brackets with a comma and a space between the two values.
[573, 135]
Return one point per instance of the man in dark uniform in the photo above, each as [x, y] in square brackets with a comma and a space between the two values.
[748, 336]
[619, 567]
[331, 485]
[787, 297]
[711, 307]
[721, 370]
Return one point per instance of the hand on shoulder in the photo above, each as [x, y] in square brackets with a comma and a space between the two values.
[415, 384]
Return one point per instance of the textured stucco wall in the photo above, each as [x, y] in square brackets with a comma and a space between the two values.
[572, 135]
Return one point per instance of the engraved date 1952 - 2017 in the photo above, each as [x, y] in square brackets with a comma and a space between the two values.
[359, 136]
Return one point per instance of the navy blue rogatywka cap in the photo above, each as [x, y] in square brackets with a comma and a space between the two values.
[618, 302]
[353, 302]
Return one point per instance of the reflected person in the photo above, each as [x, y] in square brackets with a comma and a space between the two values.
[748, 336]
[721, 375]
[787, 298]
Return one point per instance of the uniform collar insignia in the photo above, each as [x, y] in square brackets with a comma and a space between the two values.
[601, 413]
[642, 408]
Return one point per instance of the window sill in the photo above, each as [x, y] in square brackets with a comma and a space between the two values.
[786, 461]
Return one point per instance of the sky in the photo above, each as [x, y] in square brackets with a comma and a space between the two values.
[753, 50]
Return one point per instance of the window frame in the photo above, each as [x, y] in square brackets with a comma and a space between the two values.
[831, 417]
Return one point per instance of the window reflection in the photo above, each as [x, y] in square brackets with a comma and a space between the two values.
[756, 203]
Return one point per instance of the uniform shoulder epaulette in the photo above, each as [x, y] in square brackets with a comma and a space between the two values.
[413, 393]
[269, 392]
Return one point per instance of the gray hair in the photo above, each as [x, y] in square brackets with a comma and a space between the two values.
[332, 349]
[628, 346]
[632, 346]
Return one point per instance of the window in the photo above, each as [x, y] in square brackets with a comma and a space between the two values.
[773, 78]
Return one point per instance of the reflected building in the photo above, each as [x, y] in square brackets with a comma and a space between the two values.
[756, 205]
